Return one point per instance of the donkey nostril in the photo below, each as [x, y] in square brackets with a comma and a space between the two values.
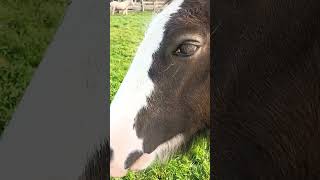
[132, 158]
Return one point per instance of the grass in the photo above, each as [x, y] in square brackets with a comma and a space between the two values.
[125, 35]
[26, 29]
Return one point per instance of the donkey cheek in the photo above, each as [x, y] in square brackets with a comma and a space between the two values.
[150, 143]
[148, 147]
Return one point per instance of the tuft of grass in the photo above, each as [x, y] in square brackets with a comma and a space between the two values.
[125, 35]
[26, 29]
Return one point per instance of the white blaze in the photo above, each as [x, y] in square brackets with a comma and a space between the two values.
[134, 90]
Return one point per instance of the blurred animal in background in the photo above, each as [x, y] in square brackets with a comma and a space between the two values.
[120, 6]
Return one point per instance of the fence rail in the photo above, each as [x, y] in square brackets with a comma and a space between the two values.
[147, 5]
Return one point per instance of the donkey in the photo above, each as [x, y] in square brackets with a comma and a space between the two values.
[164, 99]
[123, 6]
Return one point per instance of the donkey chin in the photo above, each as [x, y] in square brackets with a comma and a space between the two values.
[144, 160]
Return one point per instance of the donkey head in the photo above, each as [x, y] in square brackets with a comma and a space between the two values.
[165, 97]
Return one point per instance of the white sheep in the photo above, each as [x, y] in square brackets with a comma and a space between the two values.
[121, 6]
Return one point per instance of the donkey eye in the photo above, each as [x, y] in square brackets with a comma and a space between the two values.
[186, 49]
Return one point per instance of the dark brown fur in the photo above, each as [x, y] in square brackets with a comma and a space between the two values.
[181, 100]
[97, 168]
[266, 89]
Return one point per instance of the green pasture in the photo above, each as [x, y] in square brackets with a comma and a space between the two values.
[125, 35]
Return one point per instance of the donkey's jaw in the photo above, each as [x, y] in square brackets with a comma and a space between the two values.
[143, 162]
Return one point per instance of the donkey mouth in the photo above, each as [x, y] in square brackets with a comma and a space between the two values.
[139, 164]
[143, 162]
[117, 172]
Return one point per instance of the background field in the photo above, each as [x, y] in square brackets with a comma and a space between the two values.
[26, 29]
[125, 34]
